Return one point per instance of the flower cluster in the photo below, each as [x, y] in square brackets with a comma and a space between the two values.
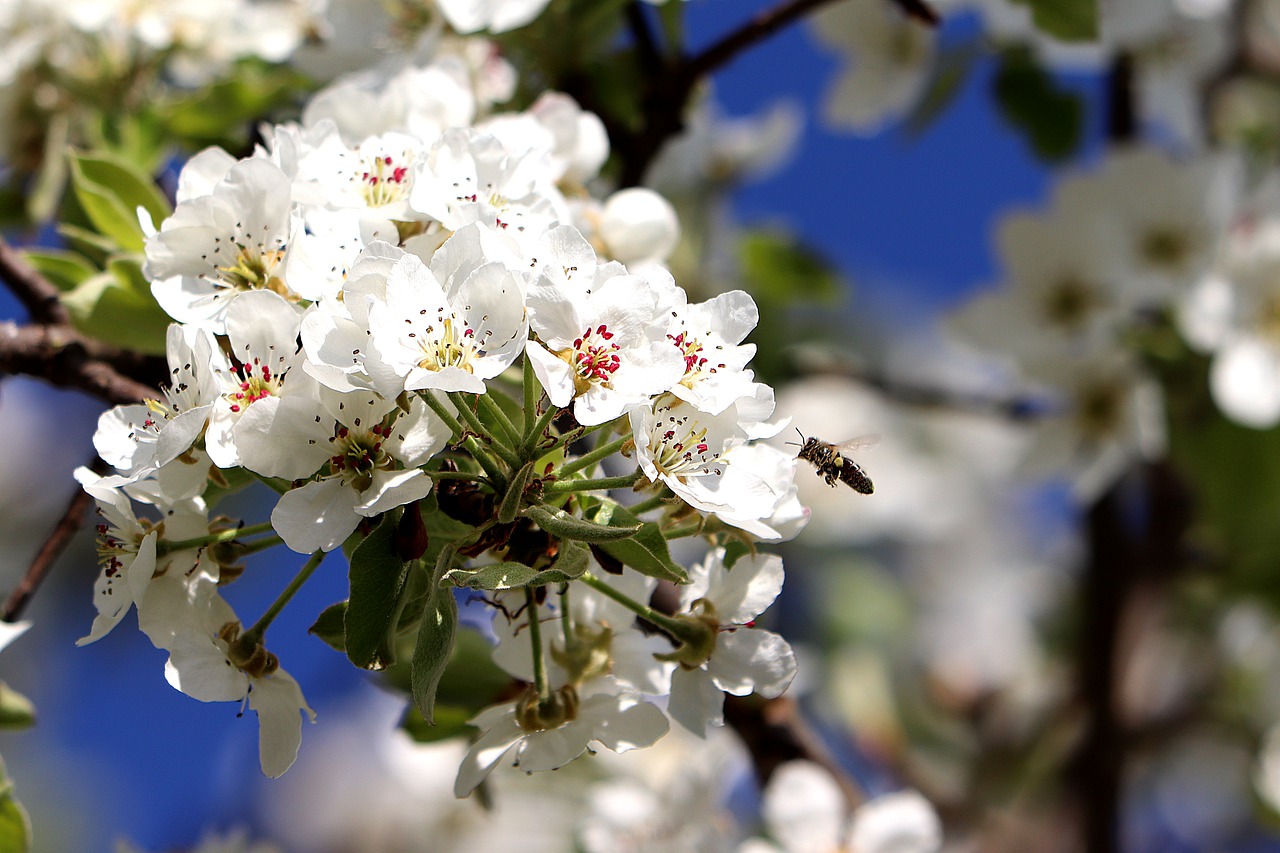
[1119, 246]
[426, 328]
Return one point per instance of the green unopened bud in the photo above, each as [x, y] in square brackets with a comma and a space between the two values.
[536, 715]
[697, 632]
[588, 654]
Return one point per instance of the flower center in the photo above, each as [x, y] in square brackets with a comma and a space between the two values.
[383, 182]
[1099, 409]
[254, 385]
[593, 357]
[682, 448]
[254, 269]
[448, 347]
[1166, 246]
[1068, 303]
[358, 453]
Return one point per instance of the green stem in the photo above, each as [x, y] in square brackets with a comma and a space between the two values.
[535, 639]
[658, 500]
[644, 611]
[443, 413]
[509, 433]
[458, 475]
[575, 435]
[604, 451]
[487, 462]
[566, 624]
[507, 454]
[620, 482]
[254, 634]
[530, 446]
[168, 546]
[532, 393]
[260, 545]
[692, 529]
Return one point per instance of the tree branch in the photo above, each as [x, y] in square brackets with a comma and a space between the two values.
[767, 23]
[71, 521]
[34, 291]
[62, 356]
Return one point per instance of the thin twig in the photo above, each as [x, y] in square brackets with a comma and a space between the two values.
[767, 23]
[71, 521]
[37, 294]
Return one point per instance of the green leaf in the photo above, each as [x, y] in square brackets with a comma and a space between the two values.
[1066, 20]
[63, 269]
[511, 501]
[16, 710]
[434, 646]
[447, 721]
[512, 575]
[15, 826]
[377, 577]
[566, 526]
[331, 626]
[104, 204]
[646, 552]
[133, 187]
[778, 268]
[86, 242]
[946, 81]
[110, 307]
[1051, 119]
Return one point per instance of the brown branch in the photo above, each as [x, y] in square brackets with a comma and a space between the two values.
[71, 521]
[62, 356]
[767, 23]
[774, 732]
[669, 85]
[33, 290]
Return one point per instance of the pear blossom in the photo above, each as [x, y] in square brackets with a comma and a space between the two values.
[806, 812]
[889, 58]
[598, 343]
[1107, 413]
[1065, 293]
[373, 449]
[218, 245]
[605, 639]
[420, 100]
[451, 341]
[1167, 215]
[262, 332]
[614, 717]
[188, 618]
[1232, 313]
[468, 176]
[744, 658]
[496, 16]
[137, 439]
[709, 336]
[128, 549]
[638, 227]
[686, 449]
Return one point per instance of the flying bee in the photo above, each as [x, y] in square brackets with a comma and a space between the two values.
[834, 466]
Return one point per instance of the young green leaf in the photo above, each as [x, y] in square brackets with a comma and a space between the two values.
[377, 578]
[566, 526]
[646, 552]
[331, 626]
[435, 642]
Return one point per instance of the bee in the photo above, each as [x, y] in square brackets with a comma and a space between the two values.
[834, 466]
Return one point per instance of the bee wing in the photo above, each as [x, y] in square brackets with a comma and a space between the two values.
[862, 442]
